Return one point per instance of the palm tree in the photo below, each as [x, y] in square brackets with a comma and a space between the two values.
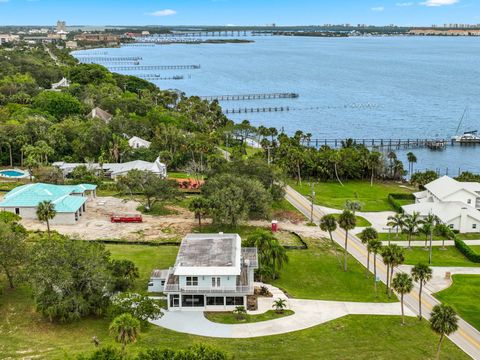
[445, 232]
[335, 159]
[444, 321]
[374, 247]
[422, 274]
[374, 162]
[353, 206]
[279, 305]
[46, 212]
[125, 329]
[200, 207]
[329, 223]
[392, 256]
[387, 260]
[402, 284]
[347, 221]
[412, 159]
[240, 312]
[430, 223]
[412, 223]
[397, 222]
[278, 257]
[366, 236]
[392, 157]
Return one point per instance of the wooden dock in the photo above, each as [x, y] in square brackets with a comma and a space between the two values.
[384, 144]
[108, 58]
[257, 110]
[152, 77]
[154, 67]
[244, 97]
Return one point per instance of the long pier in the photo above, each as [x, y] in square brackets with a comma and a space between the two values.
[257, 110]
[159, 77]
[109, 58]
[384, 144]
[251, 97]
[155, 67]
[247, 110]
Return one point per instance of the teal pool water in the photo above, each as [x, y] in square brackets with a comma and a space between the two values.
[11, 173]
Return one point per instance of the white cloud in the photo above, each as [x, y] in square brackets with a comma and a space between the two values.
[378, 8]
[405, 4]
[436, 3]
[166, 12]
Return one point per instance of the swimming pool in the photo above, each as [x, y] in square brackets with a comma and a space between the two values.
[12, 173]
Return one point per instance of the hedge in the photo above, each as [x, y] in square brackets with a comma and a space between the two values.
[467, 251]
[393, 200]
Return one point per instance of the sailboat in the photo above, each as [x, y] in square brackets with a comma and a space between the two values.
[467, 136]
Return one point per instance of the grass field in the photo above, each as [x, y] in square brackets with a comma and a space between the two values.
[316, 274]
[462, 296]
[448, 257]
[332, 194]
[25, 334]
[361, 222]
[421, 237]
[231, 318]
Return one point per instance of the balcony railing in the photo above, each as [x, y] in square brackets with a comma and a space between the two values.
[208, 290]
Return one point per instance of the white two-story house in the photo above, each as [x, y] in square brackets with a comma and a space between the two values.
[212, 273]
[457, 204]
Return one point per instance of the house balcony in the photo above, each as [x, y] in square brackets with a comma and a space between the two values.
[209, 290]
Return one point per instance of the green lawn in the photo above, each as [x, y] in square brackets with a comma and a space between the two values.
[361, 222]
[146, 258]
[26, 334]
[231, 318]
[332, 194]
[316, 274]
[404, 237]
[448, 257]
[462, 296]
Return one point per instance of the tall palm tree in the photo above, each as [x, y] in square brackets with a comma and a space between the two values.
[329, 223]
[402, 284]
[422, 274]
[412, 159]
[366, 236]
[347, 221]
[374, 246]
[353, 206]
[444, 321]
[335, 159]
[374, 162]
[386, 253]
[412, 222]
[392, 157]
[430, 223]
[46, 212]
[277, 257]
[392, 256]
[125, 329]
[445, 232]
[397, 222]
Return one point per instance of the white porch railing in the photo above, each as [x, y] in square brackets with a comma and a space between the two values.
[209, 290]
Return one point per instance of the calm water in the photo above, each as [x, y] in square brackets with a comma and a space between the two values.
[391, 87]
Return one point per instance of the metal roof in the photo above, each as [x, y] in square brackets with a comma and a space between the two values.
[60, 195]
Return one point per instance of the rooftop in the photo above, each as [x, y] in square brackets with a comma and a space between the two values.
[445, 186]
[209, 254]
[63, 196]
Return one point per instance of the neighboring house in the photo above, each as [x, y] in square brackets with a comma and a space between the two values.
[100, 114]
[114, 170]
[457, 204]
[136, 143]
[69, 200]
[61, 84]
[212, 272]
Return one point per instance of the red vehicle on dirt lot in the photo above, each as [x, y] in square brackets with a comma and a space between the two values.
[126, 218]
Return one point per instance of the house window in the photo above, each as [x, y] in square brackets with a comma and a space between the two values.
[474, 226]
[192, 281]
[215, 300]
[163, 282]
[17, 211]
[469, 201]
[234, 300]
[193, 300]
[215, 282]
[451, 226]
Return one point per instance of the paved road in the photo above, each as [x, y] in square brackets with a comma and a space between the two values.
[467, 337]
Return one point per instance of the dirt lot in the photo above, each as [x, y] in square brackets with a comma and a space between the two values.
[95, 223]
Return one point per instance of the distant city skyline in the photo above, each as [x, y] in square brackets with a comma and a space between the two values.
[236, 12]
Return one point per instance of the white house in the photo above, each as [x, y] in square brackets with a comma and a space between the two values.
[212, 273]
[137, 143]
[114, 170]
[457, 204]
[69, 201]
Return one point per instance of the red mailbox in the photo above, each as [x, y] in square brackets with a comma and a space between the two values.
[274, 226]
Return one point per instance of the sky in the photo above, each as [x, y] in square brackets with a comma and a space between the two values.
[238, 12]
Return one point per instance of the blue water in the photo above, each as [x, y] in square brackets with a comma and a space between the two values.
[11, 173]
[385, 87]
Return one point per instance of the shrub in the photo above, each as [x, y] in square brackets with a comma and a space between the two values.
[467, 251]
[393, 199]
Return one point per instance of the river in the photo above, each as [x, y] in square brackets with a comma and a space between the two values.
[359, 87]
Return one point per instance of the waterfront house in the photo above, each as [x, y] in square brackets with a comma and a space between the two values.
[456, 203]
[212, 273]
[136, 143]
[114, 170]
[69, 201]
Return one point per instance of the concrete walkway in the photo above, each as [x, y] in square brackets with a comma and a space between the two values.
[308, 313]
